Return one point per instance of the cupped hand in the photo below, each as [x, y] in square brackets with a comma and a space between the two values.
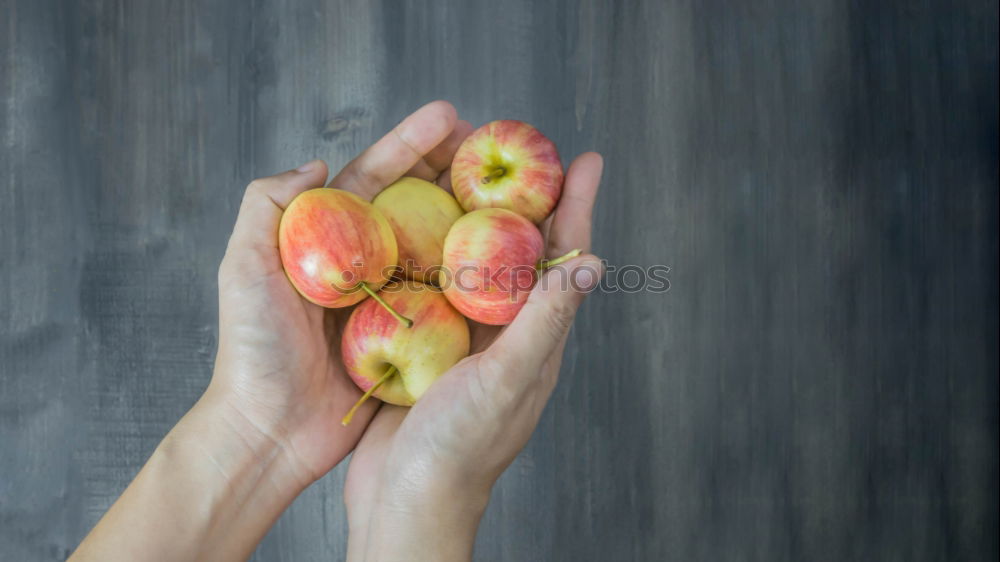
[278, 369]
[425, 473]
[279, 372]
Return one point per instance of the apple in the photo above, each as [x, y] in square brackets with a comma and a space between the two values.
[395, 364]
[492, 258]
[336, 248]
[509, 165]
[420, 214]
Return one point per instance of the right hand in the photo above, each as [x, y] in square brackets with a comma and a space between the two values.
[420, 478]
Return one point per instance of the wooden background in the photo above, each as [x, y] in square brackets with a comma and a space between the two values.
[820, 382]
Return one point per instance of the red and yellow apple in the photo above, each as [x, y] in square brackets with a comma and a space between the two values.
[420, 214]
[490, 256]
[509, 165]
[336, 248]
[397, 364]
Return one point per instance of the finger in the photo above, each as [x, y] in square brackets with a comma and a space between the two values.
[438, 160]
[444, 181]
[542, 324]
[570, 228]
[481, 336]
[266, 198]
[399, 151]
[546, 227]
[421, 170]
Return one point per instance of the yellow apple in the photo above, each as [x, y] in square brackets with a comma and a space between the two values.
[420, 214]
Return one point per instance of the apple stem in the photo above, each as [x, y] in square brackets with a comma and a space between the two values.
[496, 173]
[402, 319]
[545, 264]
[350, 413]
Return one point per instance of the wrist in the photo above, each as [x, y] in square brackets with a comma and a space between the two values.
[244, 438]
[238, 479]
[434, 519]
[210, 491]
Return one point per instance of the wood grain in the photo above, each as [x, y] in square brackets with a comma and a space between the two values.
[819, 382]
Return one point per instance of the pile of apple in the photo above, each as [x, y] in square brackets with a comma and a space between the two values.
[427, 260]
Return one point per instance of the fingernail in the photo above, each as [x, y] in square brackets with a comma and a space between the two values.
[306, 167]
[586, 276]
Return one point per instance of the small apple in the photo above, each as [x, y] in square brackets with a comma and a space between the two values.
[395, 364]
[510, 165]
[420, 214]
[492, 258]
[336, 248]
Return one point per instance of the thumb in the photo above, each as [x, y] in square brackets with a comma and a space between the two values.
[546, 317]
[266, 198]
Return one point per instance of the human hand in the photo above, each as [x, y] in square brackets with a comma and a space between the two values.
[268, 425]
[420, 477]
[278, 371]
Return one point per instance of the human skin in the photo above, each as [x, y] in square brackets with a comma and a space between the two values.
[268, 425]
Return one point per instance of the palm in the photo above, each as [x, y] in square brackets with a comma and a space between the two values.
[286, 352]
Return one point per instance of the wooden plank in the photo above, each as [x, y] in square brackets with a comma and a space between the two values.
[819, 383]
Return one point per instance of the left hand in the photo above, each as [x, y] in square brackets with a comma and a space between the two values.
[269, 423]
[278, 371]
[421, 477]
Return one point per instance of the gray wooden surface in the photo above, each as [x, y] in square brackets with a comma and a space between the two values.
[820, 382]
